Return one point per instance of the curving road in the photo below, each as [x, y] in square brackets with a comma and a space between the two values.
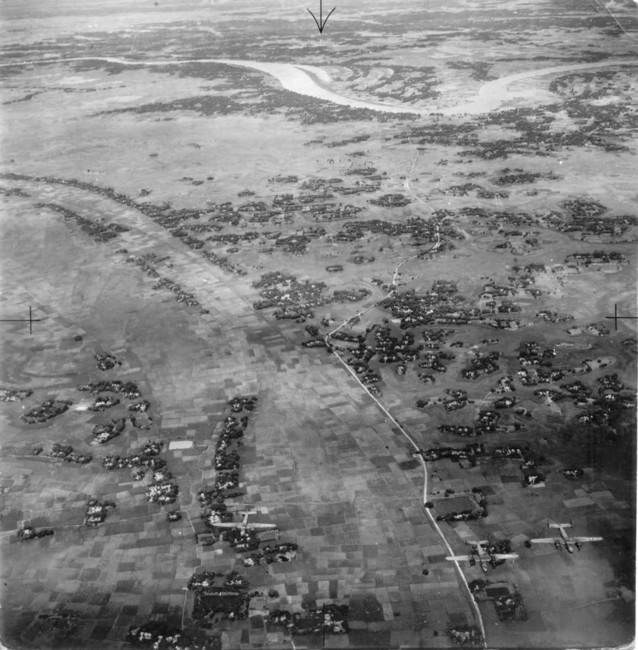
[313, 81]
[430, 516]
[474, 605]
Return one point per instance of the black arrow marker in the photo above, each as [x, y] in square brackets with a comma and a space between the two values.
[321, 23]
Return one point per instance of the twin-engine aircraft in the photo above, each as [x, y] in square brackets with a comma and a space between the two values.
[244, 524]
[565, 540]
[482, 552]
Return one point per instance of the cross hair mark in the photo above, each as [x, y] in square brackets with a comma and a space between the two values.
[29, 320]
[616, 317]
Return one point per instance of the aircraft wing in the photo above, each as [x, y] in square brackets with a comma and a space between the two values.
[246, 526]
[543, 540]
[580, 540]
[458, 558]
[258, 526]
[228, 524]
[505, 556]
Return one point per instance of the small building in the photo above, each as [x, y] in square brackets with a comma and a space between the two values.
[596, 364]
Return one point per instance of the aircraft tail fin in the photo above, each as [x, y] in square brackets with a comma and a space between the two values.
[552, 525]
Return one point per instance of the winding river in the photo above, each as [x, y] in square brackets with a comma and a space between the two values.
[313, 81]
[492, 94]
